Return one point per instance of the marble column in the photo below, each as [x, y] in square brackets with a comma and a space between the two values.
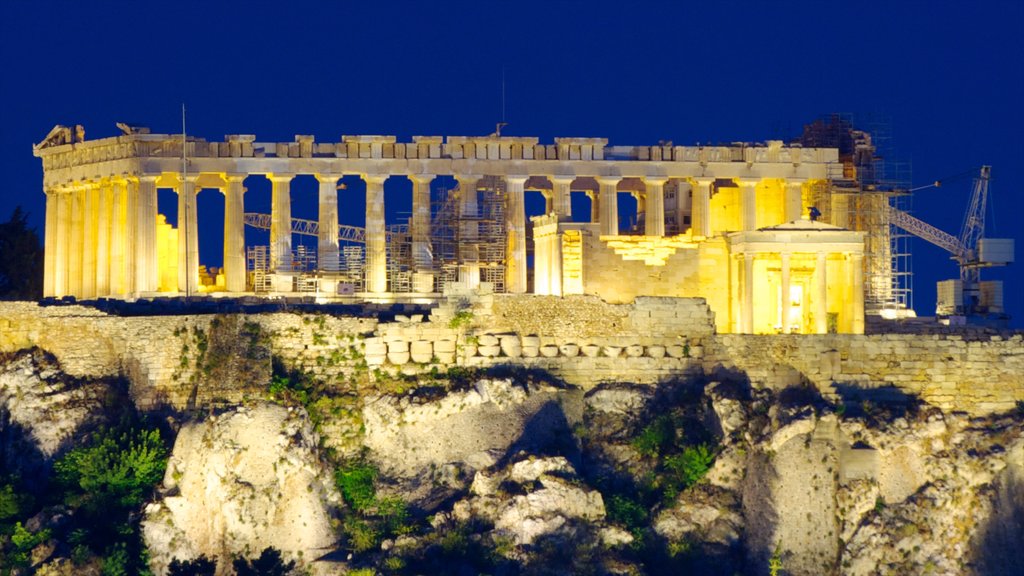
[118, 217]
[562, 196]
[327, 223]
[595, 206]
[515, 227]
[62, 239]
[786, 298]
[793, 199]
[700, 216]
[654, 222]
[747, 317]
[609, 205]
[419, 225]
[188, 236]
[142, 235]
[106, 198]
[50, 243]
[234, 232]
[76, 240]
[376, 240]
[280, 223]
[134, 249]
[748, 202]
[469, 230]
[89, 224]
[821, 298]
[857, 295]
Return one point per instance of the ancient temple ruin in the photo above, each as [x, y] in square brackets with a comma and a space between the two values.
[730, 224]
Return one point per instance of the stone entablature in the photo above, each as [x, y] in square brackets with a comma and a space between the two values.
[141, 154]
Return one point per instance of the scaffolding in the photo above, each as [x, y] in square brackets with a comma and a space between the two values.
[860, 195]
[475, 239]
[259, 266]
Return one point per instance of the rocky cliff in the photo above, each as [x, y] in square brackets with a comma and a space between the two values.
[742, 467]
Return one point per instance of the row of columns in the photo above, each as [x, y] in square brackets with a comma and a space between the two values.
[89, 226]
[856, 267]
[101, 238]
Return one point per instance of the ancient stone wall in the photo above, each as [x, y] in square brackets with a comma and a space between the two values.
[978, 376]
[582, 340]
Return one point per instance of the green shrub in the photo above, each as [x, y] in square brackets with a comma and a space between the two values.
[362, 536]
[461, 319]
[23, 542]
[355, 482]
[655, 438]
[626, 511]
[394, 512]
[119, 469]
[691, 465]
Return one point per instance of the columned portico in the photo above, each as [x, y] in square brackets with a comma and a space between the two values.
[784, 275]
[515, 270]
[376, 242]
[609, 205]
[104, 236]
[234, 232]
[654, 207]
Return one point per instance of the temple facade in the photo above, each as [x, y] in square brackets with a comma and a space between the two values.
[726, 223]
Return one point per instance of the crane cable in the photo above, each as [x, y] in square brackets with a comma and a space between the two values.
[953, 178]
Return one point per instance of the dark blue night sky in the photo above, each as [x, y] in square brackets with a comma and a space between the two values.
[949, 75]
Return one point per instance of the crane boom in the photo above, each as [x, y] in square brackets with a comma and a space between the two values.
[926, 231]
[350, 234]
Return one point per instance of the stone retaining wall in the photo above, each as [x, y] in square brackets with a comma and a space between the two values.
[581, 340]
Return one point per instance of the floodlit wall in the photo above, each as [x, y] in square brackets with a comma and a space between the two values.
[581, 340]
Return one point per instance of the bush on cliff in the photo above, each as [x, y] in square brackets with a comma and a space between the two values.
[105, 482]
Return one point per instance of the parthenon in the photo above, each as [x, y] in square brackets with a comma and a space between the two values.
[730, 224]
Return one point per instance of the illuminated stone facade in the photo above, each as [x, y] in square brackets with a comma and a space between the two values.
[724, 223]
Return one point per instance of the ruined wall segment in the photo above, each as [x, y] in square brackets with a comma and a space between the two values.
[174, 360]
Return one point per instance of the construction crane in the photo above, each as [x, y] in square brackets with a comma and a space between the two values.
[966, 299]
[346, 234]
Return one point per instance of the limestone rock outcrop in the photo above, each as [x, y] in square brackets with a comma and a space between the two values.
[452, 436]
[239, 482]
[44, 408]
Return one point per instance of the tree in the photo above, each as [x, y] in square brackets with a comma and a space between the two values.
[21, 259]
[201, 566]
[268, 564]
